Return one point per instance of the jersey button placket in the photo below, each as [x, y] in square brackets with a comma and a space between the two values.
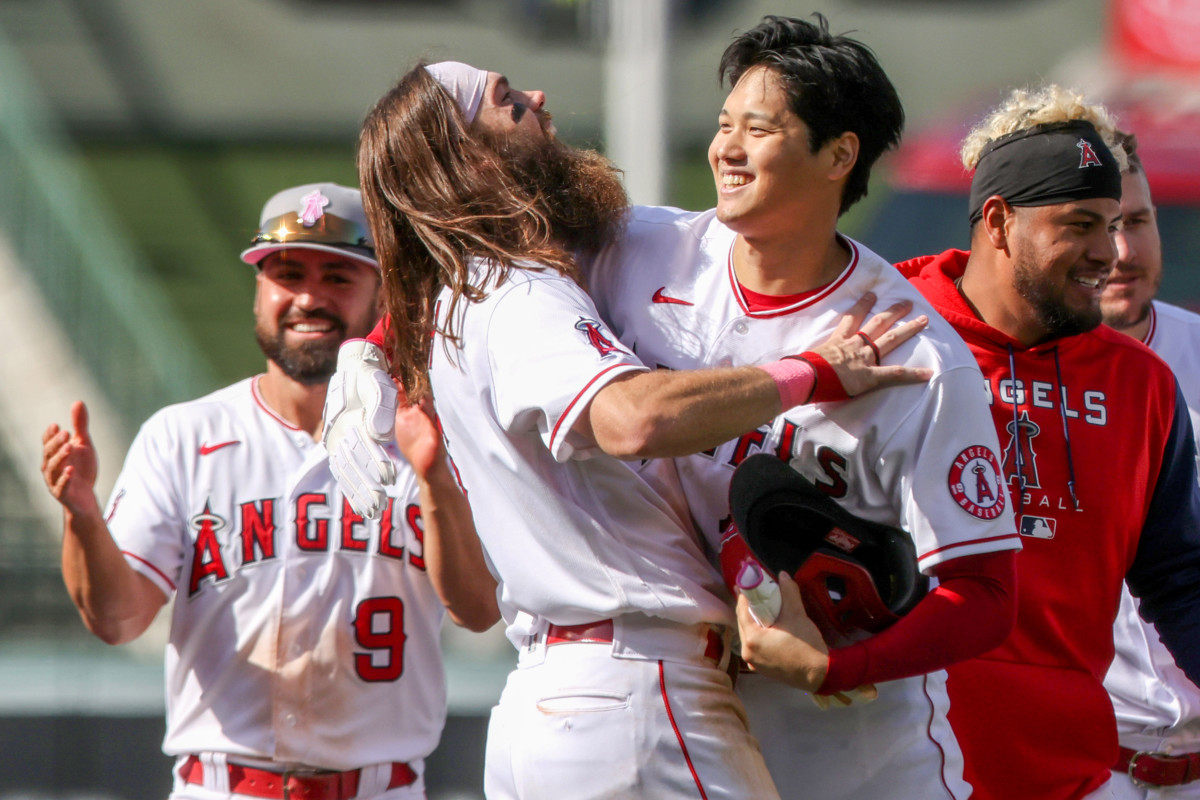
[730, 343]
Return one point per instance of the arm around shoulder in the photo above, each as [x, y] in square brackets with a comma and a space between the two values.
[665, 413]
[675, 413]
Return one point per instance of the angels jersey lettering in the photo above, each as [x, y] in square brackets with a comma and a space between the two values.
[326, 621]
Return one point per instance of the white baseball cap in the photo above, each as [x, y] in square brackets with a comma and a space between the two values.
[315, 216]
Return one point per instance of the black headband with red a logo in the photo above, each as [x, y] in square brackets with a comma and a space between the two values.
[1044, 165]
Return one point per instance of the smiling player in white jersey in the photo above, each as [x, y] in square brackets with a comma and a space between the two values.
[765, 274]
[479, 215]
[304, 655]
[1157, 706]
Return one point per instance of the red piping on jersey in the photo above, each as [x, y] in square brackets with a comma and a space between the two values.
[157, 571]
[662, 685]
[1149, 337]
[968, 544]
[567, 411]
[808, 301]
[929, 733]
[263, 405]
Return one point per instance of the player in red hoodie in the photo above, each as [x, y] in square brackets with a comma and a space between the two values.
[1098, 449]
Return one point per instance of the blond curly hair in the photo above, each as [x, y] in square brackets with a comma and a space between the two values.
[1026, 108]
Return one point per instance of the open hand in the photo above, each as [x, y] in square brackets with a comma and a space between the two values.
[856, 347]
[417, 434]
[69, 463]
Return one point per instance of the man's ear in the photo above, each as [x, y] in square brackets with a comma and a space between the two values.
[997, 215]
[843, 151]
[258, 279]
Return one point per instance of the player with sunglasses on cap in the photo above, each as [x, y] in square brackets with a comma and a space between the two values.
[303, 657]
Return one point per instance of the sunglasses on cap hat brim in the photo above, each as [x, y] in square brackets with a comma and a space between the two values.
[329, 229]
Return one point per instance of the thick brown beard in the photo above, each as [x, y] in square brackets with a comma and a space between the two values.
[307, 364]
[579, 191]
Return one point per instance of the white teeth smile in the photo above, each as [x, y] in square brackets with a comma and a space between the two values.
[303, 327]
[1091, 283]
[733, 180]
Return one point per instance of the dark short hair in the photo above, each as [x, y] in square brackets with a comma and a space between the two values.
[834, 84]
[1129, 144]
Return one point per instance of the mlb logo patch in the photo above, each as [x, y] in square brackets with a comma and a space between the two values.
[1037, 527]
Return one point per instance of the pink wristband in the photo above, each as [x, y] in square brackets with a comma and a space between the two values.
[794, 378]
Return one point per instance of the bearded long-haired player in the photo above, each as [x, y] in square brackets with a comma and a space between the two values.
[482, 220]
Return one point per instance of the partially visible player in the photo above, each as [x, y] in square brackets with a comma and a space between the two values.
[1157, 707]
[1098, 448]
[304, 656]
[764, 274]
[479, 215]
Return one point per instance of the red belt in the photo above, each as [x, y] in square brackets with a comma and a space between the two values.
[306, 785]
[602, 631]
[1159, 769]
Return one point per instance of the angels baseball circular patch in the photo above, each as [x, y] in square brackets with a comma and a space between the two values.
[975, 482]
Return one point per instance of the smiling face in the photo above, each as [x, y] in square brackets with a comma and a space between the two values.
[1135, 280]
[509, 113]
[1061, 258]
[306, 303]
[768, 177]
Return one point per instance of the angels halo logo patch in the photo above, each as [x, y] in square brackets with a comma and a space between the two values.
[596, 338]
[975, 483]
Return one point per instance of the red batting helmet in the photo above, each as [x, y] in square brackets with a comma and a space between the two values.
[856, 577]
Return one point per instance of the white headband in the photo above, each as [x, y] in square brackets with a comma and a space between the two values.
[464, 83]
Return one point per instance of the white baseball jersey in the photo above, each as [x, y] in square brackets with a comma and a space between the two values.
[1157, 707]
[922, 457]
[301, 633]
[575, 536]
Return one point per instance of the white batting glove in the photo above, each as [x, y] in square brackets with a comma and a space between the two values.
[762, 591]
[360, 416]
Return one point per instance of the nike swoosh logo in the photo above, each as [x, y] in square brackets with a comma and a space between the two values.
[205, 449]
[659, 297]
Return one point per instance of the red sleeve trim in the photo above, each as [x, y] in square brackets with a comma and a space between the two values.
[157, 571]
[971, 543]
[567, 411]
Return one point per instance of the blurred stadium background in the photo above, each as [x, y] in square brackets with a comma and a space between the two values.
[138, 140]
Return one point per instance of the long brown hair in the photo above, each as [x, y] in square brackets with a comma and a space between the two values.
[436, 197]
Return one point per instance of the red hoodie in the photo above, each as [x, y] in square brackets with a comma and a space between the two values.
[1032, 715]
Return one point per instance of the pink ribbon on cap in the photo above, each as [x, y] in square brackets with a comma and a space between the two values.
[464, 83]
